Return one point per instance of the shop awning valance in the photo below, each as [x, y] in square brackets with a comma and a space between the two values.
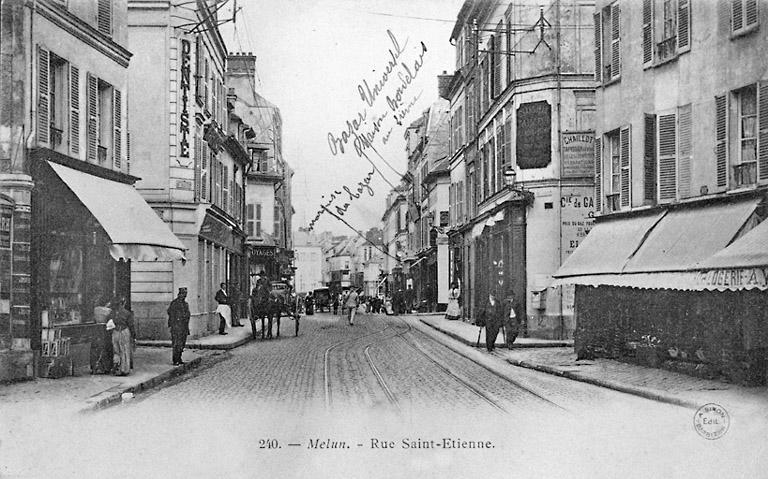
[674, 251]
[135, 230]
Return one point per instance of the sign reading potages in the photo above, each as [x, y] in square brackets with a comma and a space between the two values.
[534, 135]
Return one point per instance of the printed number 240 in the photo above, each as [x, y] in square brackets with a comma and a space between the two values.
[268, 444]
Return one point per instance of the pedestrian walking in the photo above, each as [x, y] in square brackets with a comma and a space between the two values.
[178, 322]
[351, 304]
[223, 309]
[494, 320]
[336, 304]
[309, 304]
[453, 311]
[122, 337]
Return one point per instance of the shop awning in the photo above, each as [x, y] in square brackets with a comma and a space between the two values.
[749, 251]
[136, 232]
[671, 253]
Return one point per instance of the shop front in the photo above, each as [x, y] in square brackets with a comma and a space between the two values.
[263, 258]
[88, 224]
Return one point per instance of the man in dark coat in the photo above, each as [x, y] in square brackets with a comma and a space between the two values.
[513, 319]
[494, 319]
[178, 322]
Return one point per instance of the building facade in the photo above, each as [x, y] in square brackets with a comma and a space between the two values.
[192, 169]
[522, 114]
[395, 239]
[681, 170]
[268, 207]
[308, 260]
[71, 223]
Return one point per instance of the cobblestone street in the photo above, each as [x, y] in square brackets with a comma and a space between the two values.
[398, 396]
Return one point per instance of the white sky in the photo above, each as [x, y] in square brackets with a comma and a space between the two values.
[311, 57]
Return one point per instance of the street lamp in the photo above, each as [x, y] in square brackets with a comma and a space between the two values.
[509, 176]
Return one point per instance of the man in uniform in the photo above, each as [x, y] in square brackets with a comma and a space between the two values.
[178, 322]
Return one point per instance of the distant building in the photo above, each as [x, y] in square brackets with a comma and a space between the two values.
[308, 259]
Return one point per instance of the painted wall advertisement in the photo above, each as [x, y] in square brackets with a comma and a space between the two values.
[577, 207]
[578, 154]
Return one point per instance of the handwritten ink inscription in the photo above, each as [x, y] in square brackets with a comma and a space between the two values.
[348, 194]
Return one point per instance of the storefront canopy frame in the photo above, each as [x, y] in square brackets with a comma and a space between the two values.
[134, 229]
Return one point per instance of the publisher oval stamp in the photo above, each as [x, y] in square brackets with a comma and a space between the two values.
[711, 421]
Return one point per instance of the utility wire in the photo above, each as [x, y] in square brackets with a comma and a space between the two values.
[358, 233]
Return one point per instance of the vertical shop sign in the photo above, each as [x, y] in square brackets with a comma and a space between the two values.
[534, 135]
[184, 119]
[577, 160]
[577, 211]
[5, 229]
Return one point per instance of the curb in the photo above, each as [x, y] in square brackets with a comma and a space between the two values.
[223, 347]
[503, 346]
[635, 391]
[116, 397]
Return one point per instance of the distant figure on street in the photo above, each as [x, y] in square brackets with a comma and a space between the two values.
[335, 302]
[513, 319]
[494, 320]
[178, 322]
[410, 295]
[309, 304]
[223, 309]
[454, 310]
[122, 337]
[351, 304]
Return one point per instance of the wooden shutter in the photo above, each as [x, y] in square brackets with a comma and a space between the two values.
[598, 174]
[721, 140]
[750, 12]
[683, 25]
[117, 112]
[43, 96]
[508, 49]
[648, 31]
[92, 105]
[685, 147]
[650, 158]
[737, 15]
[74, 111]
[762, 138]
[615, 41]
[225, 189]
[667, 157]
[501, 155]
[198, 69]
[626, 166]
[598, 47]
[499, 56]
[257, 220]
[104, 17]
[204, 190]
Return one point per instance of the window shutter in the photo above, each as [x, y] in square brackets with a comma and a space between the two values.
[648, 31]
[203, 170]
[198, 69]
[751, 13]
[721, 140]
[74, 110]
[762, 139]
[104, 17]
[93, 126]
[737, 15]
[508, 49]
[598, 47]
[650, 158]
[667, 157]
[685, 147]
[598, 174]
[626, 166]
[683, 25]
[615, 41]
[499, 56]
[43, 97]
[198, 166]
[117, 111]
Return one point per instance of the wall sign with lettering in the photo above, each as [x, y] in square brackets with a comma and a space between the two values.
[578, 156]
[534, 135]
[184, 118]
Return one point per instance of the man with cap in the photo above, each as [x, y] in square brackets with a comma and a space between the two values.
[178, 322]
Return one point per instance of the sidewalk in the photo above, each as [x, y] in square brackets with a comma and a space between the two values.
[468, 334]
[656, 384]
[235, 337]
[87, 392]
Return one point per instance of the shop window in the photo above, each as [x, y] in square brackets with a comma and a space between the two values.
[104, 120]
[58, 98]
[618, 164]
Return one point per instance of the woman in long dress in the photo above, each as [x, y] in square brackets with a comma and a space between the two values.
[122, 338]
[454, 310]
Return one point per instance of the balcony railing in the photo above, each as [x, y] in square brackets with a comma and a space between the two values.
[101, 153]
[612, 202]
[666, 49]
[56, 136]
[745, 174]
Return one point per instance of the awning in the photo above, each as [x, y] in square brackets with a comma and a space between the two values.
[669, 252]
[135, 230]
[751, 250]
[477, 230]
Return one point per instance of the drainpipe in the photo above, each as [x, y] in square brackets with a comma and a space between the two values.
[558, 66]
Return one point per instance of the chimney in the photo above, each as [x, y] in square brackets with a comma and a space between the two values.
[240, 63]
[444, 85]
